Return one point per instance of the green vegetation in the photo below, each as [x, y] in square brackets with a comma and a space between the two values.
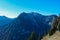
[55, 25]
[51, 32]
[40, 37]
[32, 37]
[58, 26]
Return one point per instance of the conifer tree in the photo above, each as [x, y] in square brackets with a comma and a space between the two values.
[58, 26]
[32, 37]
[39, 38]
[54, 26]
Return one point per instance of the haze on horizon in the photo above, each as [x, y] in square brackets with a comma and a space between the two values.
[12, 8]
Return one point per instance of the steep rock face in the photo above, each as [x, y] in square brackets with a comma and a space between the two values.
[23, 25]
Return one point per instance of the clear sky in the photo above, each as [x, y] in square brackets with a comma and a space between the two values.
[12, 8]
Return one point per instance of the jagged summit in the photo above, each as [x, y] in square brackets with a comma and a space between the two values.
[31, 13]
[35, 14]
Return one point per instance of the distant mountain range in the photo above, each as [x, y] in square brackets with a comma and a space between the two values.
[4, 21]
[21, 27]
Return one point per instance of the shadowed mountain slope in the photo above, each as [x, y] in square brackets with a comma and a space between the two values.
[21, 27]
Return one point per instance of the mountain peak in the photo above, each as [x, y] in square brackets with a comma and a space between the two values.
[31, 13]
[24, 24]
[3, 16]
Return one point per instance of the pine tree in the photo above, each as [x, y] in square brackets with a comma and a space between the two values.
[39, 38]
[32, 37]
[58, 26]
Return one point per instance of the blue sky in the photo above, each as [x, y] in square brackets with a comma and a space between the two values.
[12, 8]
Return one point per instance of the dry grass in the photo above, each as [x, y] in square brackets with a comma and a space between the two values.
[55, 36]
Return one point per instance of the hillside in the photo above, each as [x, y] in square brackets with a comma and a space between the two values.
[21, 27]
[55, 36]
[4, 20]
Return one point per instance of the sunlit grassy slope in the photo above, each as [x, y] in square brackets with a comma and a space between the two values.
[55, 36]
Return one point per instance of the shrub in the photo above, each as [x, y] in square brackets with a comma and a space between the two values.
[52, 31]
